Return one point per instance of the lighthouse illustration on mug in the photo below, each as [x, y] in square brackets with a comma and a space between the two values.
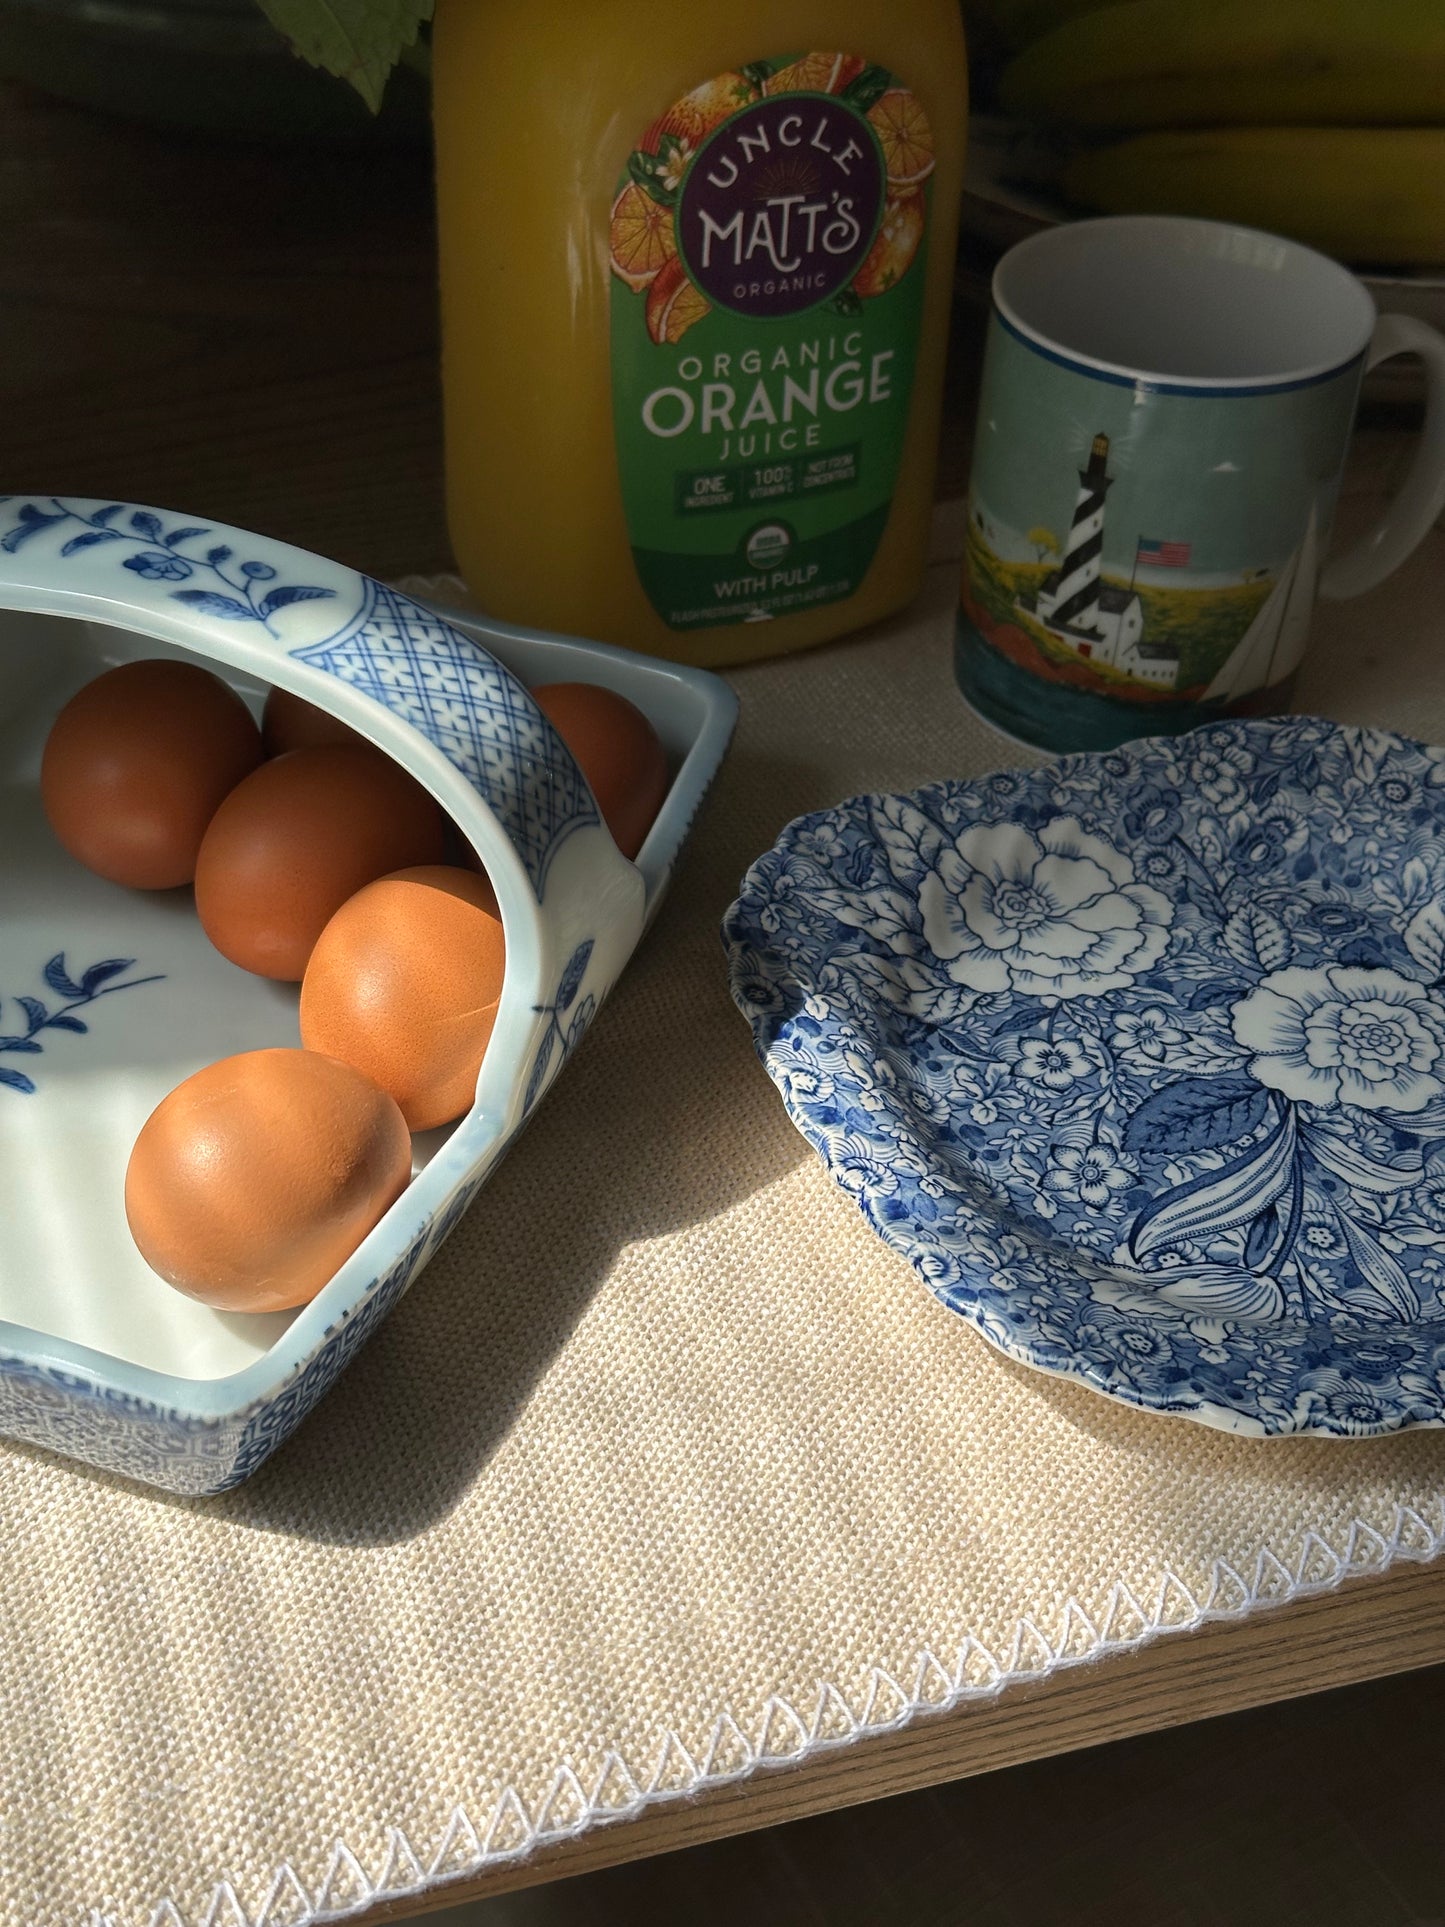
[1103, 624]
[1149, 612]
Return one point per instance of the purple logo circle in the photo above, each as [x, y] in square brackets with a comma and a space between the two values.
[781, 204]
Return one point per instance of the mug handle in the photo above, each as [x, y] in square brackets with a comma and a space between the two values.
[1407, 521]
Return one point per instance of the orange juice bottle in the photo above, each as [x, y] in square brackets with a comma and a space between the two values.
[696, 268]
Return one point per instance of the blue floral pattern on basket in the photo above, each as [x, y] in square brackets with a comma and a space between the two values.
[1140, 1060]
[220, 585]
[392, 649]
[556, 1039]
[94, 983]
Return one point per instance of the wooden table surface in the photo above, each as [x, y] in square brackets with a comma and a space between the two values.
[252, 336]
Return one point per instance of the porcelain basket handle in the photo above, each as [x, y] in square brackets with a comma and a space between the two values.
[433, 699]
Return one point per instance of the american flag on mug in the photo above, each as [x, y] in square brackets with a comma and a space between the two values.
[1163, 555]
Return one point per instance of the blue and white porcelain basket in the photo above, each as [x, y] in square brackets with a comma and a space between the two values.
[111, 997]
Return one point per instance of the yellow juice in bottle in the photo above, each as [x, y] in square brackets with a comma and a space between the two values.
[695, 269]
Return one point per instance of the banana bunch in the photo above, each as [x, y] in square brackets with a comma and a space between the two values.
[1368, 194]
[1323, 119]
[1194, 63]
[1019, 22]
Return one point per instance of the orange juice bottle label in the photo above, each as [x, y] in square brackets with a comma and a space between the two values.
[768, 239]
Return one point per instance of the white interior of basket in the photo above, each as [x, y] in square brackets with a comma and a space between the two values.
[68, 1267]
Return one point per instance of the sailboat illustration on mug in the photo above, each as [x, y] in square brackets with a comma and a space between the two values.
[1272, 645]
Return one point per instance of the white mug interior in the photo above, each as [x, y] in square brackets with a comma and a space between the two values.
[1168, 299]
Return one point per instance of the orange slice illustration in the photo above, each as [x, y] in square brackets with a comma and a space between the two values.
[642, 237]
[673, 304]
[905, 136]
[816, 74]
[894, 246]
[697, 113]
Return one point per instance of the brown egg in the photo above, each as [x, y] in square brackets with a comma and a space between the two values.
[254, 1181]
[619, 753]
[290, 722]
[136, 765]
[403, 983]
[295, 840]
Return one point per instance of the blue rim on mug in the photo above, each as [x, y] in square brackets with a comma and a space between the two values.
[1231, 248]
[1150, 386]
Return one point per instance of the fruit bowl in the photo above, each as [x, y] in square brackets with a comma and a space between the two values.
[111, 997]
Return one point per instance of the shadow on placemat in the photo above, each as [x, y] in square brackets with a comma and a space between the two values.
[629, 1148]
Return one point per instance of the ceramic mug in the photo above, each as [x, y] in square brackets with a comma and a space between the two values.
[1165, 413]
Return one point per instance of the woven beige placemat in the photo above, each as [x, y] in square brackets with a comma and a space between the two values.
[666, 1464]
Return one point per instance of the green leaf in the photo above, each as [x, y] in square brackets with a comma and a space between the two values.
[644, 170]
[358, 40]
[868, 88]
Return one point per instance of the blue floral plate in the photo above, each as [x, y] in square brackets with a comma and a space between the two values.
[1140, 1060]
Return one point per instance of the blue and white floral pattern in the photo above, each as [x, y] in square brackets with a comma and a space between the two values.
[94, 983]
[391, 648]
[220, 584]
[555, 1037]
[1140, 1060]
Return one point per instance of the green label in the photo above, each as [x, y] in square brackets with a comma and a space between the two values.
[768, 246]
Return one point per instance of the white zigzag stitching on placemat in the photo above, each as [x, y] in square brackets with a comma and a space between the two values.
[785, 1738]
